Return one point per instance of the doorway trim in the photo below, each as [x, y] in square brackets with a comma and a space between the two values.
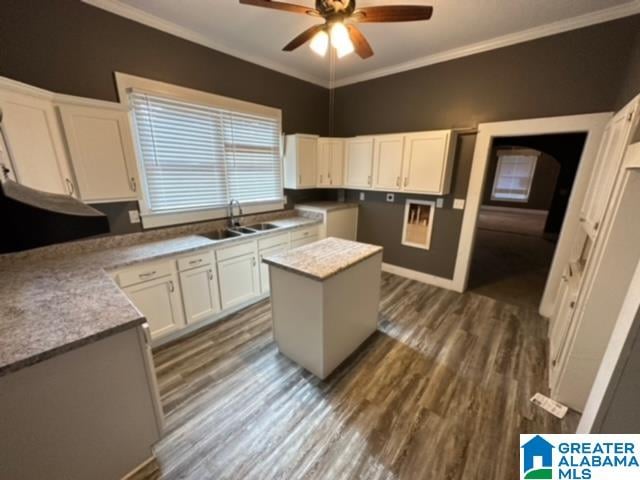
[591, 124]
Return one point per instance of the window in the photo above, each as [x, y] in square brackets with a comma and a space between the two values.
[197, 153]
[514, 175]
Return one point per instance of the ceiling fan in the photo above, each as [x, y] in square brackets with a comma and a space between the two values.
[339, 19]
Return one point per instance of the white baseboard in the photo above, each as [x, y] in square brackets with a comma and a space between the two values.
[133, 472]
[420, 277]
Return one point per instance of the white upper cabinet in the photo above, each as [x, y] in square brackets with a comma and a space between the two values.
[330, 162]
[300, 161]
[610, 154]
[102, 152]
[34, 140]
[387, 162]
[428, 162]
[358, 162]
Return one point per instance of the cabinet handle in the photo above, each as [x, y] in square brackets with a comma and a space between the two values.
[369, 180]
[299, 178]
[70, 186]
[5, 172]
[195, 262]
[210, 274]
[397, 181]
[253, 261]
[572, 305]
[147, 274]
[582, 219]
[133, 185]
[320, 179]
[172, 288]
[406, 181]
[596, 225]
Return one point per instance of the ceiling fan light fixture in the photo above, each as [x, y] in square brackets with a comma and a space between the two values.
[340, 39]
[320, 43]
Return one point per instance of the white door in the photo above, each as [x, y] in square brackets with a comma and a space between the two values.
[200, 293]
[307, 159]
[102, 152]
[324, 163]
[359, 162]
[425, 162]
[387, 162]
[608, 161]
[264, 268]
[159, 301]
[34, 139]
[239, 280]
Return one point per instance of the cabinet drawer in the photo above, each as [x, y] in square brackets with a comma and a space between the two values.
[235, 251]
[198, 260]
[303, 241]
[145, 272]
[304, 233]
[269, 242]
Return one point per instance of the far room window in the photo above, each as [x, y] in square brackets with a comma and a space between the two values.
[514, 175]
[199, 151]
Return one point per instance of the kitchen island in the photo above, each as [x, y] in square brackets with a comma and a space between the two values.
[324, 299]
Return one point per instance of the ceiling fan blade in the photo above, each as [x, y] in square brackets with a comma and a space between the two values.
[303, 38]
[287, 7]
[360, 43]
[392, 13]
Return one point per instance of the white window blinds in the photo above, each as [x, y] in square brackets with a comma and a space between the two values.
[197, 157]
[514, 176]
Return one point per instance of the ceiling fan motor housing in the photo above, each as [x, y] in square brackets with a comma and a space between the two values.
[328, 8]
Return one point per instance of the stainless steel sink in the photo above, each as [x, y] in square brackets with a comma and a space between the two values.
[259, 227]
[244, 230]
[222, 234]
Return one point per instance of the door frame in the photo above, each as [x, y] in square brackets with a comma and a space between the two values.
[591, 124]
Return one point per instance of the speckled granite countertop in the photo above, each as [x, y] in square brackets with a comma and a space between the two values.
[56, 299]
[326, 206]
[324, 258]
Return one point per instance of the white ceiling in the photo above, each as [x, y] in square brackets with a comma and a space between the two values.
[457, 28]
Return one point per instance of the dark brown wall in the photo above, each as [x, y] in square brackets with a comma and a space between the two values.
[70, 47]
[542, 186]
[631, 84]
[571, 73]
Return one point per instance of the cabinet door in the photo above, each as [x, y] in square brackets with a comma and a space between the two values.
[426, 162]
[307, 159]
[34, 139]
[608, 161]
[336, 167]
[200, 293]
[159, 301]
[102, 152]
[324, 163]
[387, 162]
[238, 279]
[264, 268]
[359, 162]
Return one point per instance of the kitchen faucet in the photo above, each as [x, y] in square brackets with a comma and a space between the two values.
[233, 222]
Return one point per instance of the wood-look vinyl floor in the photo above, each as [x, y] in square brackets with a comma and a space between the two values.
[440, 391]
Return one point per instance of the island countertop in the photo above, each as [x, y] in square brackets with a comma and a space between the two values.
[324, 258]
[59, 298]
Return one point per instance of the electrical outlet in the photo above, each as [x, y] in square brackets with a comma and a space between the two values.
[458, 204]
[361, 195]
[134, 216]
[439, 202]
[390, 197]
[286, 200]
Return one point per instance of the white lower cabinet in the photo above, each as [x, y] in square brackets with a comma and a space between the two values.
[160, 302]
[239, 281]
[200, 293]
[264, 268]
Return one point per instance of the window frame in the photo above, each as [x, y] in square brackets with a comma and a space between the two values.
[126, 83]
[534, 154]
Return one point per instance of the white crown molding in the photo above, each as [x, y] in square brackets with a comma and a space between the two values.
[140, 16]
[592, 18]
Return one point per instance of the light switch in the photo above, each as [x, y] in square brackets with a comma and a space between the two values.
[439, 202]
[390, 197]
[458, 204]
[134, 216]
[361, 195]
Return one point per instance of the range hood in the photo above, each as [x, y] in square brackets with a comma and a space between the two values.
[32, 218]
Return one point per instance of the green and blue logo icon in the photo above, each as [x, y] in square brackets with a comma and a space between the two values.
[537, 459]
